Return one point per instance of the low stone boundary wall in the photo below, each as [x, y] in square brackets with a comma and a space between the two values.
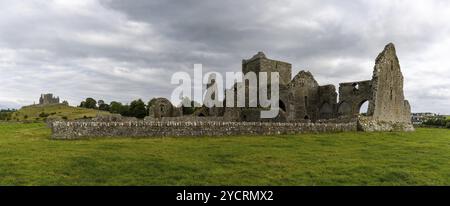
[83, 129]
[367, 124]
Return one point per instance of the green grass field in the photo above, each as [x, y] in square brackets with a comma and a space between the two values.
[29, 157]
[54, 111]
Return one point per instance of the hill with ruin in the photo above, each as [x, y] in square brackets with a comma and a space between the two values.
[54, 111]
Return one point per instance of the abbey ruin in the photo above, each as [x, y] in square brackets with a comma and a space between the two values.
[305, 106]
[302, 98]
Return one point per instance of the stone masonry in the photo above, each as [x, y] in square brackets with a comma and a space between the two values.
[141, 128]
[305, 106]
[302, 98]
[46, 99]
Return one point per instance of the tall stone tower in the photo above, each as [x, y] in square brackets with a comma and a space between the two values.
[388, 110]
[388, 102]
[260, 63]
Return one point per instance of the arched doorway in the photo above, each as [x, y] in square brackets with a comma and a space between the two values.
[363, 107]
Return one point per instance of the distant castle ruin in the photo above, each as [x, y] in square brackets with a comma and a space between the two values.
[46, 99]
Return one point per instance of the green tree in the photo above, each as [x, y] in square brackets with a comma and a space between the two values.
[90, 103]
[125, 111]
[103, 106]
[190, 109]
[115, 107]
[137, 109]
[82, 104]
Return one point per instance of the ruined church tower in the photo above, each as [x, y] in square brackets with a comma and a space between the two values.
[388, 102]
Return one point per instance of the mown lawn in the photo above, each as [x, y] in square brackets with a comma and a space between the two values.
[29, 157]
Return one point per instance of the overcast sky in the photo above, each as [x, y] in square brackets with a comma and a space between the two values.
[124, 50]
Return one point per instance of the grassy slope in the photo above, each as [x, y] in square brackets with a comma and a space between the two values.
[55, 110]
[28, 157]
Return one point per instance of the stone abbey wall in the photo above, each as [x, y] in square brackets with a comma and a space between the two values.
[305, 107]
[140, 128]
[302, 98]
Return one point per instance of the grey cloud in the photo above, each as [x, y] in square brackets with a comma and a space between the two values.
[122, 50]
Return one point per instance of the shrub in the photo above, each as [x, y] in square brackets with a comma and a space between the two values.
[438, 122]
[43, 115]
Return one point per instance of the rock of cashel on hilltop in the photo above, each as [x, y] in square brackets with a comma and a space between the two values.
[46, 99]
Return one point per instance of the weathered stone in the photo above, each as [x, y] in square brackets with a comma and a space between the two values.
[46, 99]
[352, 95]
[141, 128]
[260, 63]
[388, 101]
[388, 110]
[162, 107]
[302, 98]
[367, 124]
[305, 107]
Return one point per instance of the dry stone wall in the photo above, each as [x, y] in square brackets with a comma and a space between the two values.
[369, 124]
[84, 129]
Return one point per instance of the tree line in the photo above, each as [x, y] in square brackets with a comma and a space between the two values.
[137, 108]
[438, 122]
[6, 114]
